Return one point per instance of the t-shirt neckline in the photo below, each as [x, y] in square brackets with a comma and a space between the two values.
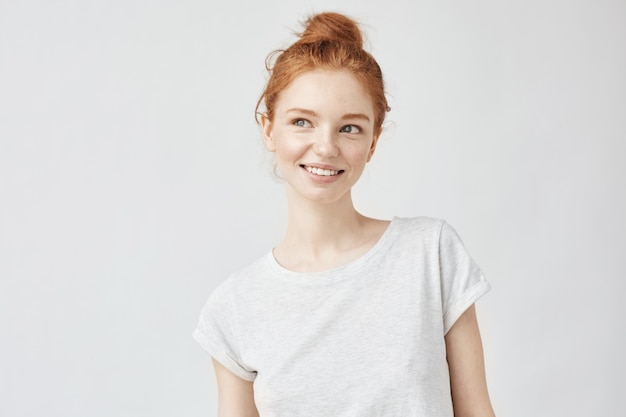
[343, 271]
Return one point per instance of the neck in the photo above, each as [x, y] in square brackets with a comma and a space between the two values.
[315, 227]
[321, 236]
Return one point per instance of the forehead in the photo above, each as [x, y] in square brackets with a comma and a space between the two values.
[326, 92]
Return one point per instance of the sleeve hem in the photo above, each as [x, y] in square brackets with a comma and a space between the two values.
[222, 357]
[463, 303]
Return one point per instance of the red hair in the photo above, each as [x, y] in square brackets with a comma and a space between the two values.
[330, 41]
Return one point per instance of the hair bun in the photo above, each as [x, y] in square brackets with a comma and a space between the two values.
[330, 41]
[333, 27]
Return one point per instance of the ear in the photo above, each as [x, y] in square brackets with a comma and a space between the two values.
[266, 129]
[373, 148]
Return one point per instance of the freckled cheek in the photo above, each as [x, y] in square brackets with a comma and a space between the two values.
[289, 151]
[358, 157]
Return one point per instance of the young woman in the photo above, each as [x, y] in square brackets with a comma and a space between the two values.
[347, 315]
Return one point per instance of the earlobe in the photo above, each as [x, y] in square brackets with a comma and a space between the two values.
[266, 129]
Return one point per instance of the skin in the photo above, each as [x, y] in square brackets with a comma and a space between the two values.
[235, 395]
[464, 350]
[324, 120]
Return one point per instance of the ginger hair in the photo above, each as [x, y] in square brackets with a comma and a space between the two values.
[330, 41]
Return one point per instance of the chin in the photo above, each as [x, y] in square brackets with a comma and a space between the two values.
[325, 197]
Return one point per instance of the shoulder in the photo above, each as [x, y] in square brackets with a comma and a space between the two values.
[431, 236]
[224, 300]
[243, 279]
[425, 229]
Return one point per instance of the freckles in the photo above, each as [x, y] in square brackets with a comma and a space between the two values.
[289, 149]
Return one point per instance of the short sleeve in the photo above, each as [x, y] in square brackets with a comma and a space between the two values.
[216, 333]
[462, 281]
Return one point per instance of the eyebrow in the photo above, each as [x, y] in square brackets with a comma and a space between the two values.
[346, 116]
[299, 110]
[360, 116]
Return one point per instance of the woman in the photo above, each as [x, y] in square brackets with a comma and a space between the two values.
[347, 315]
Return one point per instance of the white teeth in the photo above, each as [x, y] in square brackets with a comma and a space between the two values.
[320, 171]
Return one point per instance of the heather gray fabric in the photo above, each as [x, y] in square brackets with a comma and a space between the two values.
[365, 339]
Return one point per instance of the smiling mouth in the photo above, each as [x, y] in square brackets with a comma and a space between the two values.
[322, 172]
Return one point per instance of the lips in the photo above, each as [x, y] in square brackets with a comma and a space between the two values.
[323, 172]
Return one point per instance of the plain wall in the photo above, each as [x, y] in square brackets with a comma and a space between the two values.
[133, 180]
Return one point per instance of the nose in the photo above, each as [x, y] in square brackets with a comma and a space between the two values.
[326, 144]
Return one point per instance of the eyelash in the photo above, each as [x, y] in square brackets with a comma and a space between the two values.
[358, 129]
[296, 121]
[308, 124]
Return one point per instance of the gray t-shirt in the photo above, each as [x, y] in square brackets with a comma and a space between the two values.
[364, 339]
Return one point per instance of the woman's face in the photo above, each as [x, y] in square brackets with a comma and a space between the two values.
[322, 134]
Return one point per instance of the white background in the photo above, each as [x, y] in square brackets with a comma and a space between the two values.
[133, 180]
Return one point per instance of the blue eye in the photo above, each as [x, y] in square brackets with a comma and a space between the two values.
[350, 129]
[301, 123]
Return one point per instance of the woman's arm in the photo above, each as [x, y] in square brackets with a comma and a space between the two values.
[467, 368]
[235, 396]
